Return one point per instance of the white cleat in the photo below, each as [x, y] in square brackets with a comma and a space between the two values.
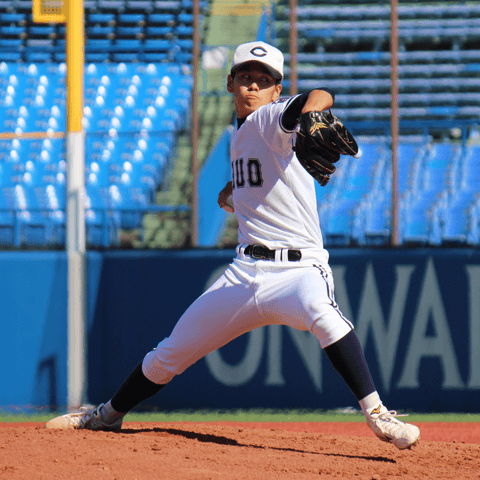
[86, 418]
[389, 429]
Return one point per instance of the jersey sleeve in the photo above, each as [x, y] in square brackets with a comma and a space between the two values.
[269, 122]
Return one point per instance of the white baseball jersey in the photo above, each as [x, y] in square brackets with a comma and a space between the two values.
[275, 203]
[274, 196]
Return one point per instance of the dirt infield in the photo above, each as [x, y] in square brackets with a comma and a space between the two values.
[233, 450]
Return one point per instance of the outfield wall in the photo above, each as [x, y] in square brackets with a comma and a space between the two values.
[416, 312]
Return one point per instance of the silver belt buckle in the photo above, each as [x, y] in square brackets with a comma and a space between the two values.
[254, 255]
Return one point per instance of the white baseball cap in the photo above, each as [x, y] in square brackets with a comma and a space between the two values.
[260, 52]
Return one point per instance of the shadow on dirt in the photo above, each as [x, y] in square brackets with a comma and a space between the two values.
[221, 440]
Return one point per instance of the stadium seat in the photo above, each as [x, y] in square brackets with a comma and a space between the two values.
[167, 6]
[101, 228]
[409, 158]
[161, 19]
[140, 5]
[13, 17]
[458, 219]
[377, 225]
[131, 19]
[105, 18]
[35, 227]
[128, 201]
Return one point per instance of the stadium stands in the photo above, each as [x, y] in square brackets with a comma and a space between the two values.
[116, 30]
[137, 96]
[439, 200]
[131, 114]
[346, 47]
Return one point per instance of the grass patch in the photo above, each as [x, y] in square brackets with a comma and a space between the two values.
[254, 415]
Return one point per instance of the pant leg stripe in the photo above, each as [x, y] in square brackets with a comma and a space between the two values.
[330, 295]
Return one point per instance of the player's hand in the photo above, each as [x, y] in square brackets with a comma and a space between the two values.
[225, 199]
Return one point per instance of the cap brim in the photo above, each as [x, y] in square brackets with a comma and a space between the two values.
[271, 71]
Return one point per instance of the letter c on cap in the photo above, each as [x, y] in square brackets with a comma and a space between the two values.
[258, 51]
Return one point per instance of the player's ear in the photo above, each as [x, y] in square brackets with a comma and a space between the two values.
[230, 84]
[277, 92]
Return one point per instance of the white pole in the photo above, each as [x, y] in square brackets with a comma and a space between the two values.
[76, 253]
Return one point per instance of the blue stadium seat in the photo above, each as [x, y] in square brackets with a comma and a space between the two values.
[338, 231]
[97, 174]
[158, 31]
[125, 56]
[14, 31]
[417, 228]
[100, 223]
[140, 5]
[459, 224]
[11, 43]
[36, 30]
[127, 200]
[128, 31]
[185, 18]
[111, 5]
[96, 56]
[100, 30]
[161, 19]
[471, 168]
[185, 31]
[33, 217]
[159, 45]
[12, 172]
[131, 18]
[411, 154]
[436, 169]
[108, 18]
[171, 6]
[377, 225]
[13, 17]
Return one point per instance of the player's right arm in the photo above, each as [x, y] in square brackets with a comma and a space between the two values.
[225, 198]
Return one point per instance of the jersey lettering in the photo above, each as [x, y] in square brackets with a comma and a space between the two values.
[254, 173]
[255, 178]
[238, 179]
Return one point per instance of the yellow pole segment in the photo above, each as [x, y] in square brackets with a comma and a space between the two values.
[75, 64]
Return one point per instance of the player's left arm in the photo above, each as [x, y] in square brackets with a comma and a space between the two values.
[321, 137]
[316, 100]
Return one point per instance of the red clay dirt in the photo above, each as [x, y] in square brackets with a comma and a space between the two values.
[234, 450]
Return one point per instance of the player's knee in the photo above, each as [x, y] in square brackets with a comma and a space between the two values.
[329, 329]
[153, 368]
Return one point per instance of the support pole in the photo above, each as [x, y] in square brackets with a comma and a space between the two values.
[293, 48]
[394, 121]
[195, 121]
[76, 245]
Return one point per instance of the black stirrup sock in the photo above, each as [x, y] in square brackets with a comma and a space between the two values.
[347, 358]
[136, 388]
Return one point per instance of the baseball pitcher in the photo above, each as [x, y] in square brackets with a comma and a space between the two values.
[281, 274]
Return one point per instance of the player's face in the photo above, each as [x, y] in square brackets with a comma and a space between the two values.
[252, 88]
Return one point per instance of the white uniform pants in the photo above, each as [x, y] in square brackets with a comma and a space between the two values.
[251, 294]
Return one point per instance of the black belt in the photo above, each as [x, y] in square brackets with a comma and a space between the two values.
[259, 252]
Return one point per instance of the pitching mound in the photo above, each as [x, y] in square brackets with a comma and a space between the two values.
[202, 451]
